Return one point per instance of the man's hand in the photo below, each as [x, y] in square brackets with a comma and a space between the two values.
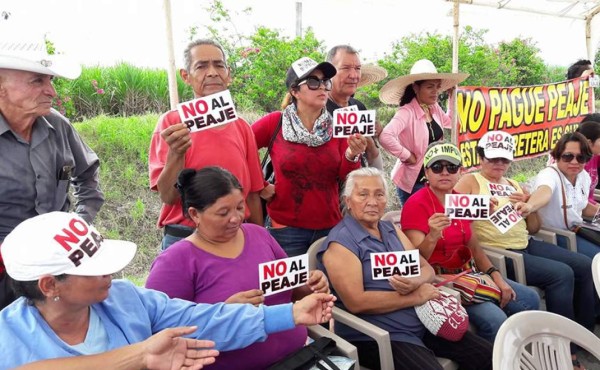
[178, 138]
[313, 309]
[166, 350]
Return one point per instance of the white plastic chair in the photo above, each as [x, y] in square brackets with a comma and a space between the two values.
[539, 340]
[393, 216]
[596, 272]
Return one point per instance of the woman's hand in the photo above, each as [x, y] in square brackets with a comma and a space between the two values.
[508, 294]
[437, 223]
[317, 282]
[357, 144]
[426, 292]
[168, 350]
[313, 309]
[517, 197]
[523, 209]
[252, 296]
[404, 285]
[410, 160]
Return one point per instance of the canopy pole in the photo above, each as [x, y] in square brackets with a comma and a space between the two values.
[171, 70]
[455, 39]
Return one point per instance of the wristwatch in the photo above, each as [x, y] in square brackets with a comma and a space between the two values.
[491, 270]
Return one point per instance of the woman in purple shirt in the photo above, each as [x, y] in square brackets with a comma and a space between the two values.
[219, 263]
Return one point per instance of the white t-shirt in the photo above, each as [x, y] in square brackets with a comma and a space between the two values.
[576, 197]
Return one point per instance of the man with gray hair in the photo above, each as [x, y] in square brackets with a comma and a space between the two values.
[349, 68]
[41, 152]
[173, 148]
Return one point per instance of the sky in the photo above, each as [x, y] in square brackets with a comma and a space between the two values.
[105, 32]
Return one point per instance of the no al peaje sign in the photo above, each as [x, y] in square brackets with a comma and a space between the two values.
[208, 112]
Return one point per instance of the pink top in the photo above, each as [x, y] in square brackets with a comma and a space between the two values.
[407, 133]
[592, 168]
[187, 272]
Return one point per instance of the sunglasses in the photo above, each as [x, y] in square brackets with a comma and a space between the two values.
[497, 160]
[314, 83]
[568, 157]
[437, 168]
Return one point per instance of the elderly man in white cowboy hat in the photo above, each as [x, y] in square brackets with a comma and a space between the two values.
[350, 75]
[418, 122]
[40, 150]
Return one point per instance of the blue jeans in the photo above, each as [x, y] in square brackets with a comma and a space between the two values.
[584, 246]
[565, 277]
[294, 240]
[167, 239]
[403, 196]
[487, 317]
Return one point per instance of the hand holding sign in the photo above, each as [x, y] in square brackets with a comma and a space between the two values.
[518, 197]
[437, 223]
[357, 144]
[404, 285]
[317, 282]
[252, 296]
[177, 138]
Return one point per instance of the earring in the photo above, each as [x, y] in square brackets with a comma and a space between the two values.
[56, 299]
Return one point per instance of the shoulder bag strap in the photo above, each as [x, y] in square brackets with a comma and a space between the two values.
[264, 160]
[564, 197]
[448, 281]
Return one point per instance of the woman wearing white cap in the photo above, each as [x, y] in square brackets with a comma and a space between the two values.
[69, 305]
[307, 160]
[418, 122]
[565, 276]
[440, 239]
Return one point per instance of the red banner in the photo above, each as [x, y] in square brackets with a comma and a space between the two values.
[536, 116]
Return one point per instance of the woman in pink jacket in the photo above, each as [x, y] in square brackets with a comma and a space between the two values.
[418, 122]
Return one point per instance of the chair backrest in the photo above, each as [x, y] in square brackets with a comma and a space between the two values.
[540, 340]
[312, 253]
[596, 272]
[393, 216]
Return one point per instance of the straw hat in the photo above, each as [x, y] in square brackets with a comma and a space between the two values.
[370, 74]
[28, 53]
[423, 69]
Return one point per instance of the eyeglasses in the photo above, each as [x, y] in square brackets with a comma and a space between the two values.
[498, 160]
[314, 83]
[437, 168]
[568, 157]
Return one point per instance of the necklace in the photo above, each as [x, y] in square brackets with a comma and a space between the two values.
[453, 224]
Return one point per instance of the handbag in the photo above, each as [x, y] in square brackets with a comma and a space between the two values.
[444, 317]
[267, 165]
[588, 234]
[460, 260]
[474, 287]
[308, 356]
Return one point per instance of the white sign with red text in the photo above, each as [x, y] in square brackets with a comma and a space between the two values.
[284, 274]
[208, 112]
[386, 264]
[347, 123]
[467, 206]
[501, 190]
[505, 218]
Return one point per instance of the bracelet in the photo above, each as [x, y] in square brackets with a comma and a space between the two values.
[491, 270]
[353, 160]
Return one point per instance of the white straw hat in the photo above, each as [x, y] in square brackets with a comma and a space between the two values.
[423, 69]
[23, 52]
[59, 243]
[370, 74]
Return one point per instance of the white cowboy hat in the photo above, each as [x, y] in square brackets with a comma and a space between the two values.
[370, 74]
[30, 54]
[423, 69]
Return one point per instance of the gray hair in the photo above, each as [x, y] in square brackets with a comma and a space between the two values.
[187, 53]
[334, 50]
[363, 172]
